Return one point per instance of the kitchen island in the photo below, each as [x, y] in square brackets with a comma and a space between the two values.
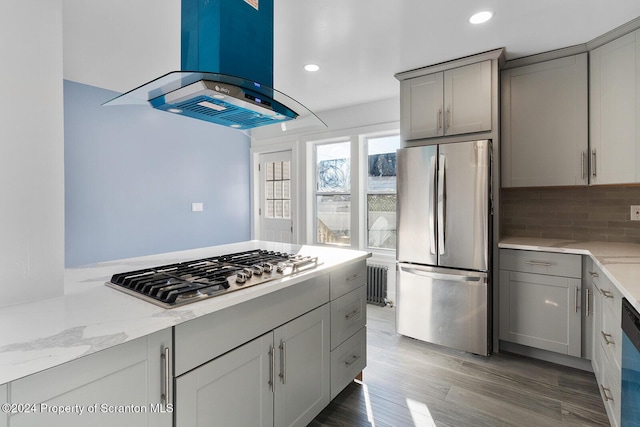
[92, 320]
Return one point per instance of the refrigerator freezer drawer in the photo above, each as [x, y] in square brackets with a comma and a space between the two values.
[443, 306]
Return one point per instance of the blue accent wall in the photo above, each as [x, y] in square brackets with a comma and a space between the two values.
[131, 174]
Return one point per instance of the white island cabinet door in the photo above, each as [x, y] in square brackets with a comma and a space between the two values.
[112, 387]
[303, 368]
[232, 390]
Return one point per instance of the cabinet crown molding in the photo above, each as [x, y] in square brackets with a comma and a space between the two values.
[496, 54]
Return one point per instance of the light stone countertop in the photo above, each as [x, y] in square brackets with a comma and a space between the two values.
[90, 316]
[619, 261]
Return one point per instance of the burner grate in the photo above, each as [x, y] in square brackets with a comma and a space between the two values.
[180, 283]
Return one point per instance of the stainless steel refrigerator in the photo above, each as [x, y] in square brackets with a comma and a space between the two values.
[444, 244]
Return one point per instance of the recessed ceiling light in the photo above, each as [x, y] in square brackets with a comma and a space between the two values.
[312, 67]
[236, 126]
[481, 17]
[174, 110]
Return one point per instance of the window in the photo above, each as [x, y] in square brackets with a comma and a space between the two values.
[333, 193]
[278, 190]
[381, 191]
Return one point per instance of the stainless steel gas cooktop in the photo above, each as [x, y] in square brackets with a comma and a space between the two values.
[182, 283]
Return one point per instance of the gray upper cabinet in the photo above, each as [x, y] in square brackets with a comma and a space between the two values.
[451, 102]
[421, 100]
[545, 123]
[614, 112]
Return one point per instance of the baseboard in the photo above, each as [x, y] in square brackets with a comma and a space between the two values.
[548, 356]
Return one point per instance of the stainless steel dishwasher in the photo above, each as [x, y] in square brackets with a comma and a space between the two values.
[630, 366]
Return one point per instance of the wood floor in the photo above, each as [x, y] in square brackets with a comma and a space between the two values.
[411, 383]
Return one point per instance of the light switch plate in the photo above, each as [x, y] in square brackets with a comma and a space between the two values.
[635, 212]
[197, 207]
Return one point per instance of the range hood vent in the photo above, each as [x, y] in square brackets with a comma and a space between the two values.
[229, 44]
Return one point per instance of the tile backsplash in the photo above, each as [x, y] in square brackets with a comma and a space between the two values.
[575, 213]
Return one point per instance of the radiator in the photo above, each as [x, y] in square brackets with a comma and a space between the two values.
[377, 284]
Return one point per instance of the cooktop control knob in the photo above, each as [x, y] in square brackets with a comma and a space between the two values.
[241, 277]
[281, 267]
[267, 267]
[257, 269]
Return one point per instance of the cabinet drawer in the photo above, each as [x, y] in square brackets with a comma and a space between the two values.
[207, 337]
[611, 340]
[611, 297]
[347, 279]
[610, 387]
[348, 315]
[554, 264]
[347, 361]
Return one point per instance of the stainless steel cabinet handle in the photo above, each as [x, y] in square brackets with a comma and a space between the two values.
[577, 298]
[593, 162]
[594, 274]
[586, 303]
[439, 118]
[165, 398]
[606, 339]
[606, 390]
[352, 278]
[448, 117]
[582, 156]
[539, 263]
[351, 361]
[606, 294]
[350, 315]
[283, 362]
[272, 367]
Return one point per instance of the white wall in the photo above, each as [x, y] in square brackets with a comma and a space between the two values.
[120, 44]
[31, 151]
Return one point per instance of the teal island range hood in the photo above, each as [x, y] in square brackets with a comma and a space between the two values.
[229, 44]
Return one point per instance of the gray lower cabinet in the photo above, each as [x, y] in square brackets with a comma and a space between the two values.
[607, 342]
[538, 307]
[281, 378]
[348, 325]
[3, 399]
[122, 385]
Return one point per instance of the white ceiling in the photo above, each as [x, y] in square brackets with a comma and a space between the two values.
[359, 44]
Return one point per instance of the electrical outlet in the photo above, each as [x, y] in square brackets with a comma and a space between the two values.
[197, 207]
[635, 212]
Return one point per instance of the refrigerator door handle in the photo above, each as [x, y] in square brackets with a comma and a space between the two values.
[432, 218]
[441, 204]
[443, 276]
